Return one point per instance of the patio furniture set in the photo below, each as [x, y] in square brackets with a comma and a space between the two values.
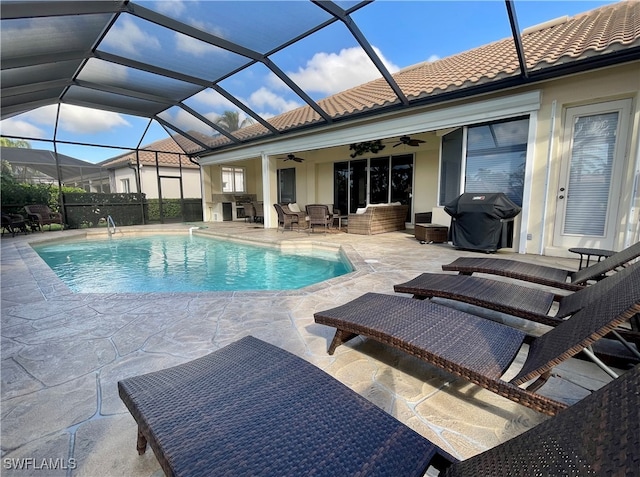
[374, 219]
[36, 216]
[254, 409]
[314, 215]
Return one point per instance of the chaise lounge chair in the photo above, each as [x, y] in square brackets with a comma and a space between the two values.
[550, 276]
[477, 349]
[529, 303]
[254, 409]
[510, 298]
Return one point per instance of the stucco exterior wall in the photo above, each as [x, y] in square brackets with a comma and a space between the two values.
[601, 86]
[170, 186]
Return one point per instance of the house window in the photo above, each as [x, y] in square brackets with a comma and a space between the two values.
[125, 186]
[493, 160]
[233, 179]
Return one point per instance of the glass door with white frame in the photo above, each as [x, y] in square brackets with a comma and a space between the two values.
[593, 157]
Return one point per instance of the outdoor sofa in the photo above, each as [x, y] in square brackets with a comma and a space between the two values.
[378, 219]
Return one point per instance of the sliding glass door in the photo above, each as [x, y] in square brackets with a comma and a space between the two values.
[379, 180]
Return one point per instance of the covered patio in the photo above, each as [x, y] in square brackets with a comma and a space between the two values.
[63, 353]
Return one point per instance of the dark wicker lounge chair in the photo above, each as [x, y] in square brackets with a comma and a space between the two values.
[253, 409]
[478, 349]
[550, 276]
[530, 303]
[511, 298]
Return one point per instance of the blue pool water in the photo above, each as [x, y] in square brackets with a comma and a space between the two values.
[183, 263]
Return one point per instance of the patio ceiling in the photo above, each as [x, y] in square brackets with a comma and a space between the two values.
[43, 64]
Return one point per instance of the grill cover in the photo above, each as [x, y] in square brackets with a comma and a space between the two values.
[482, 221]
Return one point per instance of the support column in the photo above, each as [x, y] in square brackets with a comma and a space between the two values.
[269, 190]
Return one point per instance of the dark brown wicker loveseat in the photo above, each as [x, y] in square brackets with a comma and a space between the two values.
[253, 409]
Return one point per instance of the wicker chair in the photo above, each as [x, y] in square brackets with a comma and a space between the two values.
[478, 349]
[550, 276]
[259, 208]
[40, 214]
[251, 408]
[286, 219]
[13, 223]
[319, 215]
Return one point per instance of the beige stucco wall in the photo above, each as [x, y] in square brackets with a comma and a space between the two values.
[170, 187]
[604, 85]
[314, 177]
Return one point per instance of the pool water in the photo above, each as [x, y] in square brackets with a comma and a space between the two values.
[183, 263]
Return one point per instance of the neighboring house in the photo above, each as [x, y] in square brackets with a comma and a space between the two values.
[159, 169]
[560, 140]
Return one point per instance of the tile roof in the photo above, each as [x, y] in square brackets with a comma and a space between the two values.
[170, 155]
[594, 33]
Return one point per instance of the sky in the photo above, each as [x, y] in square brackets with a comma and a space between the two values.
[403, 33]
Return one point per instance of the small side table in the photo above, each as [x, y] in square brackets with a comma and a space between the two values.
[431, 233]
[591, 252]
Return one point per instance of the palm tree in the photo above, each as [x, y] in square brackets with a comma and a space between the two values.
[6, 142]
[230, 121]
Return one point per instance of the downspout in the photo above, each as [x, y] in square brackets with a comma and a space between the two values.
[545, 198]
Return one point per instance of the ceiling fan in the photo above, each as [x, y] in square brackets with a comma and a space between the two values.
[291, 157]
[408, 141]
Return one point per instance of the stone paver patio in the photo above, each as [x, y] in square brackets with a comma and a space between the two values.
[63, 353]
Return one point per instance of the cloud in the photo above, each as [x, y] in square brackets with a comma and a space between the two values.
[214, 100]
[192, 45]
[21, 128]
[433, 58]
[330, 73]
[174, 8]
[79, 120]
[265, 98]
[73, 119]
[126, 37]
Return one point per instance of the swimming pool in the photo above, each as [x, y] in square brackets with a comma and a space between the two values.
[184, 263]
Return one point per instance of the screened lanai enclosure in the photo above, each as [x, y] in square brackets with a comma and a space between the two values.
[175, 69]
[183, 70]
